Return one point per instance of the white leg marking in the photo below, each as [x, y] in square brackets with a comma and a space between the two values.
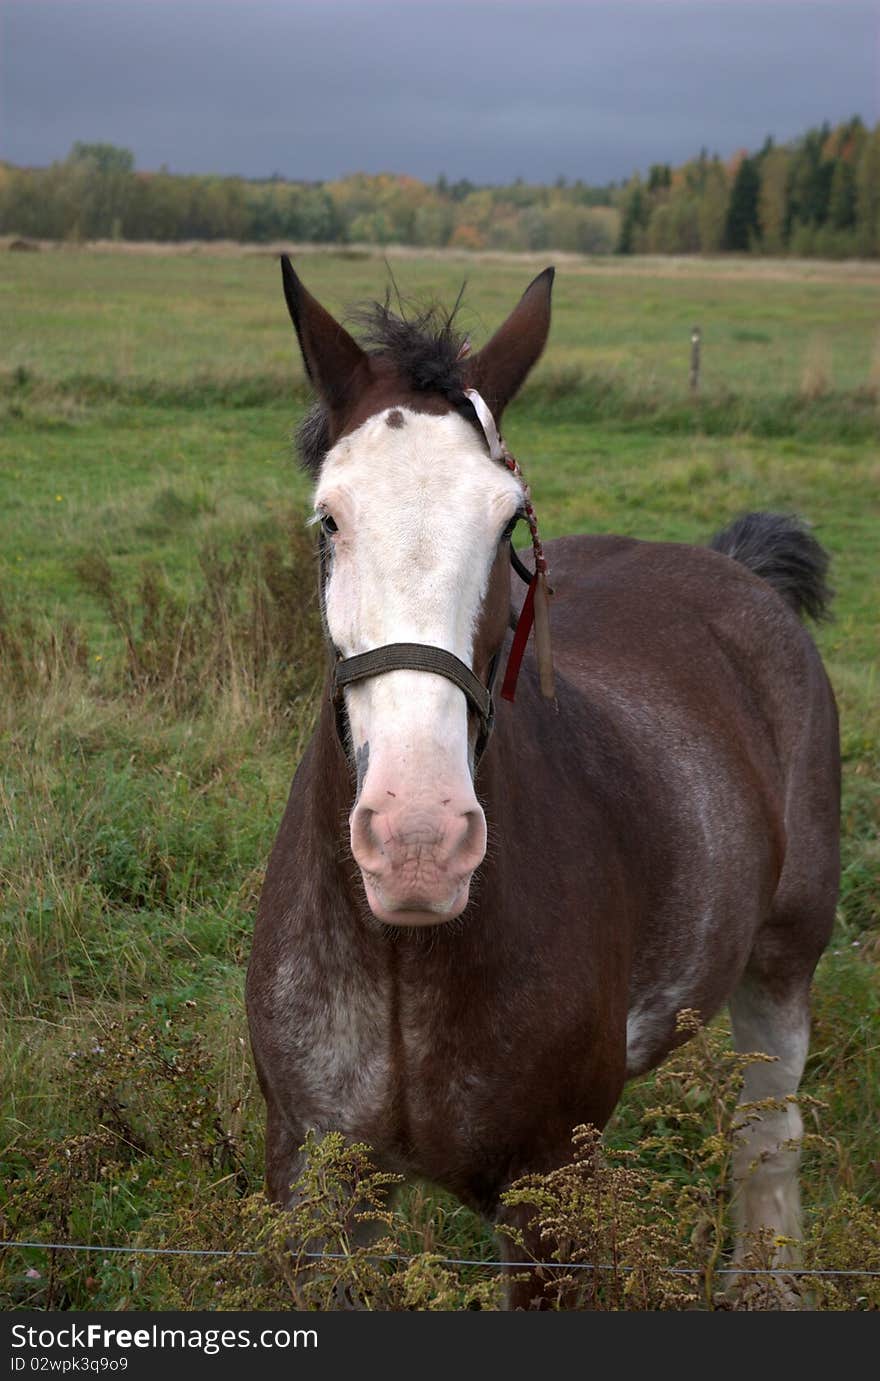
[767, 1147]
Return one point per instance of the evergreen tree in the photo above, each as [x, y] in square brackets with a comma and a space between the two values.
[868, 196]
[635, 217]
[713, 205]
[659, 177]
[773, 200]
[743, 227]
[107, 158]
[842, 200]
[810, 181]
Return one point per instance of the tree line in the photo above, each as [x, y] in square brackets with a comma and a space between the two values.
[816, 196]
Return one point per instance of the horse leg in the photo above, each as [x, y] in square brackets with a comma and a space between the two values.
[774, 1019]
[284, 1157]
[528, 1287]
[285, 1160]
[568, 1285]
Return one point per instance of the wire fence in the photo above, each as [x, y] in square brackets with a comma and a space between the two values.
[401, 1258]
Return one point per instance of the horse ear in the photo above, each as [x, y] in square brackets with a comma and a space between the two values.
[332, 359]
[500, 368]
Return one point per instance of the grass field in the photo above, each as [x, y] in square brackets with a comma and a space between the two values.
[159, 662]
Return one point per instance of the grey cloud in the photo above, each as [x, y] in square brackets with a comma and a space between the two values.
[490, 89]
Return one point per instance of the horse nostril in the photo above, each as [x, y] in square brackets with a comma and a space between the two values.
[472, 843]
[365, 842]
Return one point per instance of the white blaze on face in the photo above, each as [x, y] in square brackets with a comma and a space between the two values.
[419, 509]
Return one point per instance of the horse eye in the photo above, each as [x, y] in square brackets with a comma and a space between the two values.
[329, 524]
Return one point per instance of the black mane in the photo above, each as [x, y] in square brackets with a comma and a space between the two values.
[313, 439]
[423, 346]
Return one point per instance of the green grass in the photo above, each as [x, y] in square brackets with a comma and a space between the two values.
[183, 322]
[148, 406]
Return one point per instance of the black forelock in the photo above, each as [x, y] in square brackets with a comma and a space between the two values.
[421, 343]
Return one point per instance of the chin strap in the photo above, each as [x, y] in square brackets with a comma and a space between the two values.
[536, 606]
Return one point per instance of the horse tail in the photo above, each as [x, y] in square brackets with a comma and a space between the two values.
[781, 548]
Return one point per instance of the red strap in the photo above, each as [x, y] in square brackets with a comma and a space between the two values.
[520, 638]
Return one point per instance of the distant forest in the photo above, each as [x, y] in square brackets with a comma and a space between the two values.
[816, 196]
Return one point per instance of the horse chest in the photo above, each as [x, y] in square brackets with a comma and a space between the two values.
[331, 1036]
[360, 1058]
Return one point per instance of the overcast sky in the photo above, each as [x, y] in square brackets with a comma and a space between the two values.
[485, 89]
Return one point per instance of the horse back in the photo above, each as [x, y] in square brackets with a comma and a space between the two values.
[695, 717]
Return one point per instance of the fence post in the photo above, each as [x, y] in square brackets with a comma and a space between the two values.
[694, 378]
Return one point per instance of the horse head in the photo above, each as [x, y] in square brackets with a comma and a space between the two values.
[415, 523]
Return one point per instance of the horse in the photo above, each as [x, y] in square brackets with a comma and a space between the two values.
[478, 920]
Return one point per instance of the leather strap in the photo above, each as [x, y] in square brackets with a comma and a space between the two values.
[417, 657]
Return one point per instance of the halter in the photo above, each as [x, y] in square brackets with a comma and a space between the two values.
[424, 657]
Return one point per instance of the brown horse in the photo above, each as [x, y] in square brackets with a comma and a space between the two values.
[661, 835]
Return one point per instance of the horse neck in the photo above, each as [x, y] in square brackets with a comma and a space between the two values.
[331, 783]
